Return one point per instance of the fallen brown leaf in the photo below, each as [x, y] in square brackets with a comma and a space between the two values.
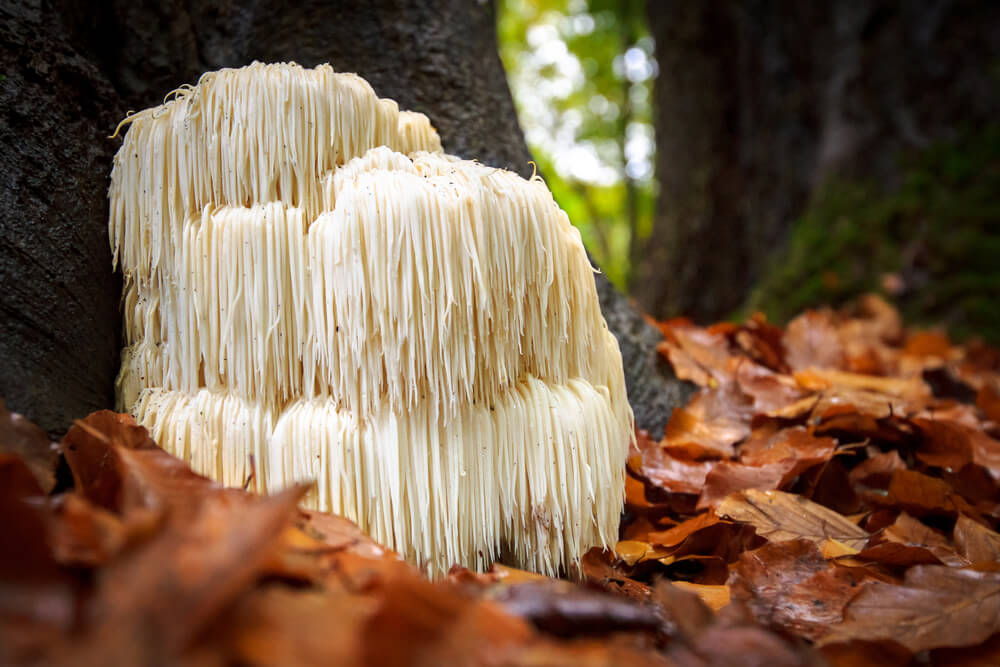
[696, 354]
[935, 607]
[909, 542]
[876, 471]
[726, 478]
[812, 340]
[769, 390]
[921, 495]
[779, 516]
[673, 473]
[715, 597]
[791, 586]
[976, 542]
[945, 444]
[714, 421]
[818, 379]
[768, 445]
[19, 437]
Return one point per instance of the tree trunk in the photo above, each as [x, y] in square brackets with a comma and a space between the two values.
[759, 103]
[94, 60]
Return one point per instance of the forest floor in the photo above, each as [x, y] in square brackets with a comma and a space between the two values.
[829, 495]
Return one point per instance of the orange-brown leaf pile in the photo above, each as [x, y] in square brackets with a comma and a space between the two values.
[840, 479]
[144, 562]
[832, 492]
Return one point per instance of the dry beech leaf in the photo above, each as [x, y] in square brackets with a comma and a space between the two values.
[716, 597]
[632, 552]
[834, 549]
[709, 426]
[761, 341]
[934, 607]
[946, 444]
[728, 477]
[909, 542]
[779, 516]
[819, 379]
[812, 339]
[976, 542]
[672, 537]
[696, 354]
[765, 445]
[20, 437]
[672, 473]
[921, 494]
[769, 390]
[876, 471]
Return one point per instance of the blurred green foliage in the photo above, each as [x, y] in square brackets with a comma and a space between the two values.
[932, 245]
[581, 73]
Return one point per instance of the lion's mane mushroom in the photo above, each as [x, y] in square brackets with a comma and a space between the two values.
[311, 284]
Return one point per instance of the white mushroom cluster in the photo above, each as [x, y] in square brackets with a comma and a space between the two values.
[313, 290]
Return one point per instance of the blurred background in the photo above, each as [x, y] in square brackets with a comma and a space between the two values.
[729, 156]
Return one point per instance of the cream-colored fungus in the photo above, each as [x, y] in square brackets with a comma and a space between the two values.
[313, 290]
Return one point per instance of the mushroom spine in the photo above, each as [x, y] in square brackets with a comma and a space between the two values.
[313, 286]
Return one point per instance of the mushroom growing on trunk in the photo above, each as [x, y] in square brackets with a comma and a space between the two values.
[314, 290]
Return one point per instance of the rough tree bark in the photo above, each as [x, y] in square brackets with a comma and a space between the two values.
[74, 67]
[760, 102]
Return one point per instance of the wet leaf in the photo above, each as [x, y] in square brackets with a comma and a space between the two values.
[791, 586]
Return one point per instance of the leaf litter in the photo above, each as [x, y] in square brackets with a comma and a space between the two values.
[830, 495]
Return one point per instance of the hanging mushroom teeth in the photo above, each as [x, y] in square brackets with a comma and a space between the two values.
[419, 333]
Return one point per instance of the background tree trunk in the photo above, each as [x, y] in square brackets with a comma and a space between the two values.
[73, 69]
[758, 103]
